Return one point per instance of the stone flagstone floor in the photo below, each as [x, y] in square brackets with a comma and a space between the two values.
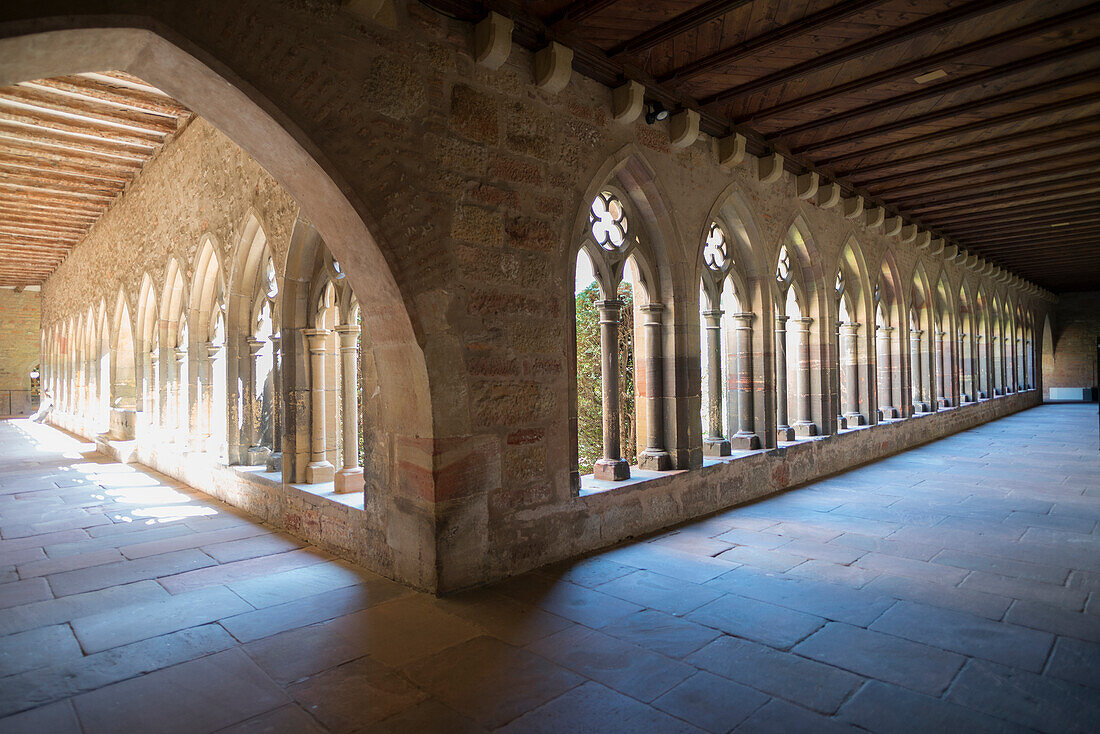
[955, 587]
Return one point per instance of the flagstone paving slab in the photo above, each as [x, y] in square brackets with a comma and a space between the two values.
[955, 587]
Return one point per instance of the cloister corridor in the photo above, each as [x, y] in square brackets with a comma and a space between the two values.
[954, 587]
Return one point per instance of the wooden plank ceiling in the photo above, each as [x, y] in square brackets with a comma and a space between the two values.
[979, 119]
[69, 146]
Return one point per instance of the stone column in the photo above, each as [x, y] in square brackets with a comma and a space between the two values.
[995, 369]
[942, 363]
[275, 459]
[256, 453]
[745, 438]
[849, 334]
[981, 365]
[965, 369]
[209, 354]
[152, 390]
[919, 405]
[180, 389]
[147, 367]
[612, 466]
[654, 457]
[1029, 367]
[783, 431]
[350, 477]
[714, 443]
[884, 358]
[804, 424]
[319, 469]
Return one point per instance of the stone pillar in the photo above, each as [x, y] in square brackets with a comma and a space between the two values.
[745, 438]
[275, 459]
[884, 358]
[714, 443]
[207, 407]
[965, 369]
[654, 457]
[919, 405]
[152, 390]
[995, 370]
[179, 418]
[849, 334]
[783, 431]
[981, 365]
[319, 469]
[804, 424]
[147, 367]
[942, 371]
[256, 453]
[611, 466]
[350, 477]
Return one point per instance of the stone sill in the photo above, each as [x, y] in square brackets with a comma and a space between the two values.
[592, 487]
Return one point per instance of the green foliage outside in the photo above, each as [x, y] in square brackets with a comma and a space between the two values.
[589, 376]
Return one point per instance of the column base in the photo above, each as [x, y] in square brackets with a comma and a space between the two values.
[611, 470]
[784, 433]
[275, 462]
[944, 403]
[319, 472]
[744, 441]
[854, 419]
[655, 460]
[349, 480]
[805, 430]
[841, 423]
[920, 407]
[887, 412]
[257, 455]
[716, 447]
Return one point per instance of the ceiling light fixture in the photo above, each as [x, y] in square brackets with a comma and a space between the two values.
[655, 112]
[930, 76]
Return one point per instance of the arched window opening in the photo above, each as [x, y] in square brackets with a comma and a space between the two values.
[727, 346]
[852, 397]
[618, 337]
[787, 318]
[922, 362]
[124, 390]
[103, 379]
[888, 343]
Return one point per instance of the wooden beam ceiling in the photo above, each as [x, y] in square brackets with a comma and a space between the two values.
[69, 147]
[1007, 131]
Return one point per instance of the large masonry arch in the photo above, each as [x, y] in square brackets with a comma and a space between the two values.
[210, 88]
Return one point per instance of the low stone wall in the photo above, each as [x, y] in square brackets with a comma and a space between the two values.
[586, 523]
[332, 526]
[599, 520]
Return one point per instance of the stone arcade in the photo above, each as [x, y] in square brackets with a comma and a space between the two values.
[325, 263]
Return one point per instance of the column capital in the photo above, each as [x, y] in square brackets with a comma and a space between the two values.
[804, 321]
[851, 326]
[255, 344]
[348, 335]
[652, 308]
[916, 332]
[781, 320]
[212, 350]
[884, 329]
[744, 318]
[315, 338]
[180, 353]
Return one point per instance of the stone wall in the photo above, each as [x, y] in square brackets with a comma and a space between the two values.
[1069, 360]
[19, 344]
[473, 187]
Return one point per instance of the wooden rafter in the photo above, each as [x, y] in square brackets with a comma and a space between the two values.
[68, 148]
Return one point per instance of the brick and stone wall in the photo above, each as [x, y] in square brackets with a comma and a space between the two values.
[19, 345]
[455, 198]
[1069, 359]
